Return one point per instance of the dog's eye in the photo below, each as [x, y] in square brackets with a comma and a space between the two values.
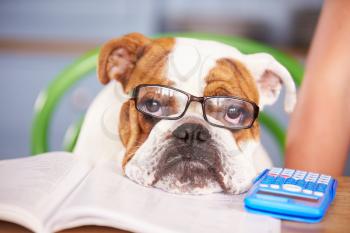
[152, 106]
[234, 114]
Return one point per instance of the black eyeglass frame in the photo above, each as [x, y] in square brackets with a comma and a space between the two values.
[201, 100]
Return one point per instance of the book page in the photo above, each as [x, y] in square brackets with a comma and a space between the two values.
[108, 198]
[30, 188]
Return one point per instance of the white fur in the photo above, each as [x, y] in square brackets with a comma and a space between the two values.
[238, 167]
[99, 138]
[188, 64]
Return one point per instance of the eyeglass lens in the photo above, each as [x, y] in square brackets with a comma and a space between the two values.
[163, 102]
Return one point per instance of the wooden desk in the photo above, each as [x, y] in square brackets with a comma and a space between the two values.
[336, 220]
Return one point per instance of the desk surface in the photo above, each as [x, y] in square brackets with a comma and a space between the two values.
[336, 220]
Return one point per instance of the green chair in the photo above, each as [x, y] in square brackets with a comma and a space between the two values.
[49, 98]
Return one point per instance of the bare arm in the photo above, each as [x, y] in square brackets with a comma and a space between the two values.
[319, 134]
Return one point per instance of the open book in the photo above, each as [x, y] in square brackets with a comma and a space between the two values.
[58, 190]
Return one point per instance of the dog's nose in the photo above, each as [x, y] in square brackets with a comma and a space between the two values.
[191, 133]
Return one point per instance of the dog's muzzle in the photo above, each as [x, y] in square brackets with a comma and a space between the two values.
[191, 158]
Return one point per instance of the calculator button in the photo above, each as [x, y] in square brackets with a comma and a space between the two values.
[321, 188]
[299, 175]
[274, 186]
[324, 179]
[300, 183]
[307, 191]
[310, 186]
[268, 180]
[311, 177]
[291, 188]
[318, 194]
[264, 182]
[275, 171]
[290, 181]
[279, 180]
[263, 185]
[287, 173]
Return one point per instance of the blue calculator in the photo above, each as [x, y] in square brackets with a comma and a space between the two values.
[291, 194]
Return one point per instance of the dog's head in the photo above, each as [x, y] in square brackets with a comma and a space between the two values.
[193, 152]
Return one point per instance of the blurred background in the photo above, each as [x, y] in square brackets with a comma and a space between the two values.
[39, 38]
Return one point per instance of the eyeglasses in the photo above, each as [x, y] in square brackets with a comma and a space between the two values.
[165, 102]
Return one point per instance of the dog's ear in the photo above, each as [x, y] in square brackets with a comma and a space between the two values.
[119, 56]
[269, 75]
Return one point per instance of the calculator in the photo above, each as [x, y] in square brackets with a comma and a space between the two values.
[291, 194]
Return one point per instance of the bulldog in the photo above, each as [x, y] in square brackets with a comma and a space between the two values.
[184, 112]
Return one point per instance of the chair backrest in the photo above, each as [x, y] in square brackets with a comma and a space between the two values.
[49, 98]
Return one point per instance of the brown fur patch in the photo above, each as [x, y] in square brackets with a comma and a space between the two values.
[149, 68]
[230, 77]
[134, 128]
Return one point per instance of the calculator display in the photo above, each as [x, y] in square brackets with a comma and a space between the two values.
[303, 198]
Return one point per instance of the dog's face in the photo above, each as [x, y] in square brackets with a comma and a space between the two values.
[189, 155]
